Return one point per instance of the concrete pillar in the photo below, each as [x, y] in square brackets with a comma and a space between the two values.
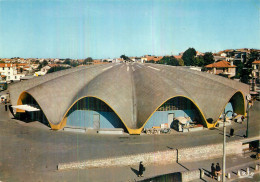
[256, 167]
[238, 173]
[219, 178]
[231, 63]
[201, 173]
[247, 171]
[228, 175]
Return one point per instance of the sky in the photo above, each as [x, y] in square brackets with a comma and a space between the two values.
[109, 28]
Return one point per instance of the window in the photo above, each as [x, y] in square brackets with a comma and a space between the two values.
[8, 73]
[15, 77]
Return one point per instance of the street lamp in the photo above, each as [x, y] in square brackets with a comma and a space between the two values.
[224, 146]
[248, 98]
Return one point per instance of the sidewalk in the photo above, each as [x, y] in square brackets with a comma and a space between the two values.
[129, 173]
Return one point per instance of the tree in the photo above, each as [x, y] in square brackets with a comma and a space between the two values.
[39, 66]
[67, 61]
[181, 62]
[246, 71]
[20, 70]
[56, 68]
[5, 86]
[239, 68]
[208, 58]
[124, 57]
[150, 61]
[88, 60]
[254, 55]
[44, 63]
[169, 60]
[245, 74]
[74, 64]
[199, 61]
[188, 56]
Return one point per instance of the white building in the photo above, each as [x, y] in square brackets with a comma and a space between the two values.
[9, 71]
[143, 59]
[223, 54]
[256, 70]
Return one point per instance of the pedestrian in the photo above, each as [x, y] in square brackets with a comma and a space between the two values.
[242, 118]
[231, 132]
[218, 169]
[141, 169]
[213, 170]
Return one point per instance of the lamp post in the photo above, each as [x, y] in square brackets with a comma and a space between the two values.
[224, 146]
[248, 98]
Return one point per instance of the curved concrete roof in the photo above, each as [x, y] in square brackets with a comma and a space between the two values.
[134, 91]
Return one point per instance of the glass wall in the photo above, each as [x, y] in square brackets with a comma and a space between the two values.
[91, 112]
[173, 108]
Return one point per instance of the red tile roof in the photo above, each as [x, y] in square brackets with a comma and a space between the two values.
[7, 65]
[256, 62]
[178, 56]
[220, 64]
[155, 58]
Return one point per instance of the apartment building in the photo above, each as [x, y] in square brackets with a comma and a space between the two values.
[8, 72]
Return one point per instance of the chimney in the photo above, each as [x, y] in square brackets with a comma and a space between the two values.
[231, 62]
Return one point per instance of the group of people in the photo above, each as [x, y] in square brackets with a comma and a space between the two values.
[215, 171]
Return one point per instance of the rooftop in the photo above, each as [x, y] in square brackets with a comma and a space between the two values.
[256, 62]
[220, 64]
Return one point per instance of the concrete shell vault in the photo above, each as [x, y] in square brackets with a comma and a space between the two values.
[133, 91]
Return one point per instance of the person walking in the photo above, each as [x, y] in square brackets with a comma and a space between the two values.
[141, 169]
[218, 169]
[213, 171]
[231, 133]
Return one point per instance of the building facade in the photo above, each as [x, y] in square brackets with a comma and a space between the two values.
[8, 72]
[132, 96]
[222, 68]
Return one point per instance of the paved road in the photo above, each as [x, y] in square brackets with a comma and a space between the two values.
[32, 154]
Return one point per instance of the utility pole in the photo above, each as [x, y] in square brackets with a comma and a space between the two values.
[224, 147]
[248, 98]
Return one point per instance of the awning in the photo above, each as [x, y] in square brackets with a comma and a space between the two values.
[183, 120]
[26, 108]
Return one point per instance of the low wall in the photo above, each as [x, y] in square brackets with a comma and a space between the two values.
[190, 175]
[208, 151]
[161, 157]
[164, 157]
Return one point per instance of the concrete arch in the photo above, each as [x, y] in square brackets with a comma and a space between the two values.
[193, 102]
[134, 94]
[63, 122]
[23, 96]
[238, 103]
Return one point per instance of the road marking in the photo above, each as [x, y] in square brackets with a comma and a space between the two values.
[139, 66]
[107, 68]
[154, 68]
[133, 68]
[127, 69]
